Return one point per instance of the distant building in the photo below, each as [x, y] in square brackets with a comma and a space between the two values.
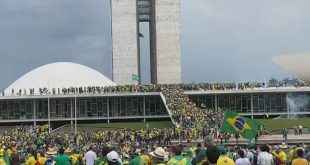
[129, 105]
[164, 26]
[59, 75]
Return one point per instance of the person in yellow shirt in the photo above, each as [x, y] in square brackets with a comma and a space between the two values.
[32, 159]
[280, 154]
[224, 159]
[42, 158]
[144, 157]
[74, 158]
[300, 160]
[9, 151]
[291, 155]
[2, 162]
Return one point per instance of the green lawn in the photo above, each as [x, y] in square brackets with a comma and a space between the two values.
[130, 125]
[277, 124]
[272, 124]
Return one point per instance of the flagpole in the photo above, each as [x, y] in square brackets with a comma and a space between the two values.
[49, 113]
[48, 109]
[75, 118]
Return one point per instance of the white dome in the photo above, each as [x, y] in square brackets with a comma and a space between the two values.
[60, 75]
[297, 64]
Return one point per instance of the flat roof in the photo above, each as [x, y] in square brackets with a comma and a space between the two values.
[201, 92]
[84, 118]
[249, 91]
[44, 96]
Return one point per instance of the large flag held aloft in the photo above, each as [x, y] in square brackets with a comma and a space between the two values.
[235, 124]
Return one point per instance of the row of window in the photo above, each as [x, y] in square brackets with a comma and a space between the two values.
[149, 105]
[269, 102]
[86, 107]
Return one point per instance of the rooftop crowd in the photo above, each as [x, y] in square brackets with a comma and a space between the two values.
[32, 145]
[272, 83]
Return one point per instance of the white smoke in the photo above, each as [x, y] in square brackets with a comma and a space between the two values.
[296, 103]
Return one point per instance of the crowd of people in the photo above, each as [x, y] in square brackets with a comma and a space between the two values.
[186, 114]
[183, 111]
[156, 87]
[33, 145]
[298, 129]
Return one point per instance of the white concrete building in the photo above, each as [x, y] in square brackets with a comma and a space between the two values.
[164, 27]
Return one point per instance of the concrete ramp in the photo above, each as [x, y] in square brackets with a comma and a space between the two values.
[168, 110]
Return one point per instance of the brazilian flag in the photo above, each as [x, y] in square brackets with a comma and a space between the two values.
[135, 77]
[235, 124]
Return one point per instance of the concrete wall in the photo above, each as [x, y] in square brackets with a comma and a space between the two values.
[124, 41]
[168, 55]
[153, 57]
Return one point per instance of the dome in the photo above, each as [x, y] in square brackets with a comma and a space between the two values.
[296, 64]
[60, 75]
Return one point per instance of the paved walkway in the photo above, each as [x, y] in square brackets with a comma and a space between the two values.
[268, 139]
[264, 139]
[304, 138]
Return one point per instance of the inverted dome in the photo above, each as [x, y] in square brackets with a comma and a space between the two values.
[61, 75]
[296, 64]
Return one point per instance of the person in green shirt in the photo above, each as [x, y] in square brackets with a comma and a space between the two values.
[126, 159]
[201, 157]
[178, 158]
[61, 158]
[137, 160]
[7, 158]
[103, 160]
[284, 132]
[2, 161]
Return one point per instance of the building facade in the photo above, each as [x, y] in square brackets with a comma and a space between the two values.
[88, 107]
[163, 17]
[144, 106]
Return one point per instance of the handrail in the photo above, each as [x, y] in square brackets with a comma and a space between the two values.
[168, 110]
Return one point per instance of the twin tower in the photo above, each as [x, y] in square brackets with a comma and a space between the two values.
[163, 17]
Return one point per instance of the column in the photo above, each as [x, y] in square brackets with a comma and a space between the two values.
[144, 119]
[71, 111]
[252, 103]
[34, 113]
[287, 106]
[108, 109]
[75, 114]
[49, 114]
[215, 99]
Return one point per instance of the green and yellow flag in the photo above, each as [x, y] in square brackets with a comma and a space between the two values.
[202, 105]
[235, 124]
[135, 77]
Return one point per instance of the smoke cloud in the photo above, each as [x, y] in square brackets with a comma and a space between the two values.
[297, 103]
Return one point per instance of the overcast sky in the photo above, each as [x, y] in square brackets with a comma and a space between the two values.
[221, 40]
